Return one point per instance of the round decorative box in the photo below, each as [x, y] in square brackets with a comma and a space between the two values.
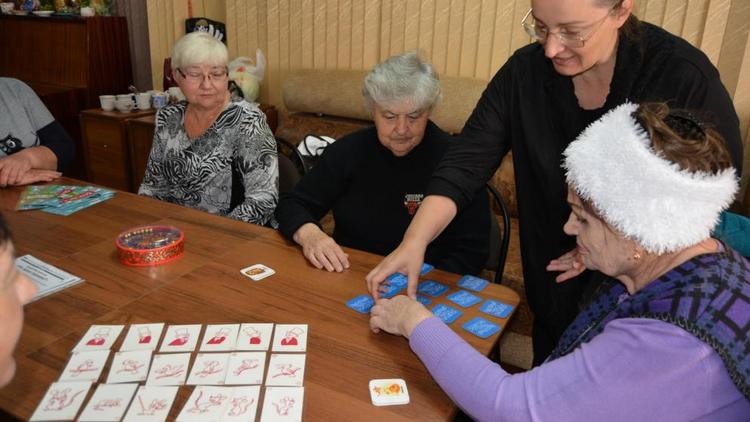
[150, 245]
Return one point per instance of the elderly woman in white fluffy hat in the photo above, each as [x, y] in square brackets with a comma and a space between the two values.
[666, 335]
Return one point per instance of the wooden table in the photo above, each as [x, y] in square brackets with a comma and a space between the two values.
[205, 287]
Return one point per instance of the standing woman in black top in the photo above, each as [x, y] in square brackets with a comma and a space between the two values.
[590, 56]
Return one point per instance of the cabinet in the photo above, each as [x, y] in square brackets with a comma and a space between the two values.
[106, 147]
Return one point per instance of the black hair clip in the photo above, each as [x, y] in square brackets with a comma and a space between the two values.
[685, 124]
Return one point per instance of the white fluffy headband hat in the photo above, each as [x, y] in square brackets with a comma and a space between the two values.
[649, 199]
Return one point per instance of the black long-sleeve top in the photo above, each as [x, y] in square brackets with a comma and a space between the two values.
[532, 110]
[370, 190]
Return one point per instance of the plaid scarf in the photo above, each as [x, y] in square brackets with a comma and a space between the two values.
[707, 296]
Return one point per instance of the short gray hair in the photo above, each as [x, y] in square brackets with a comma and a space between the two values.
[199, 47]
[404, 77]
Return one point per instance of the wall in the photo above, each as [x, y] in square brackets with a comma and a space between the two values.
[470, 38]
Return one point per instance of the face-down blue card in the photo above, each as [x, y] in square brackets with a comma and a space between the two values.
[432, 288]
[398, 280]
[470, 282]
[480, 327]
[361, 303]
[464, 298]
[426, 268]
[446, 313]
[390, 290]
[496, 308]
[424, 300]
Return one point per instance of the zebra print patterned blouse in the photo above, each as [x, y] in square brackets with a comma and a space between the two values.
[230, 170]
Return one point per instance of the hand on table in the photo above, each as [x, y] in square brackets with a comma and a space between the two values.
[571, 265]
[13, 169]
[406, 259]
[320, 249]
[399, 315]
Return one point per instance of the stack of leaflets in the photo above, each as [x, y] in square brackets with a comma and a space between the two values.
[48, 279]
[61, 199]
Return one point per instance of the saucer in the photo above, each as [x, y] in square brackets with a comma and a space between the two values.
[20, 12]
[43, 13]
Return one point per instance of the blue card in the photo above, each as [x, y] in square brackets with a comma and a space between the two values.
[390, 291]
[470, 282]
[424, 300]
[480, 327]
[432, 288]
[464, 298]
[496, 309]
[398, 279]
[446, 313]
[361, 303]
[426, 268]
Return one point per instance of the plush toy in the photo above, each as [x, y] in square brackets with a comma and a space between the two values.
[248, 76]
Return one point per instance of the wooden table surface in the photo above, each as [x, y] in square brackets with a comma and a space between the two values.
[205, 287]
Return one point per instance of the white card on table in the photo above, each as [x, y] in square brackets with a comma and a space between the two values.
[243, 405]
[286, 369]
[282, 404]
[98, 337]
[62, 401]
[109, 402]
[245, 368]
[131, 366]
[388, 392]
[209, 369]
[142, 337]
[254, 337]
[220, 338]
[181, 338]
[169, 369]
[85, 366]
[151, 404]
[207, 403]
[257, 272]
[290, 338]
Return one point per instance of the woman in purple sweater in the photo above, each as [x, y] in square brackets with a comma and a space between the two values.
[666, 336]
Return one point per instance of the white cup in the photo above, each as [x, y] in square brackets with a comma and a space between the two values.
[143, 100]
[87, 11]
[124, 105]
[125, 97]
[175, 94]
[107, 102]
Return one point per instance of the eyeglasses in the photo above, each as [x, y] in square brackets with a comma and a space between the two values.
[568, 39]
[197, 77]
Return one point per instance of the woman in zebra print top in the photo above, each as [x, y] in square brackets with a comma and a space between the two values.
[212, 152]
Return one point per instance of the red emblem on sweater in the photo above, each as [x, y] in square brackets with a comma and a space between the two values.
[412, 202]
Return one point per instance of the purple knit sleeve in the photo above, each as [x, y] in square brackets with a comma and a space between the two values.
[636, 369]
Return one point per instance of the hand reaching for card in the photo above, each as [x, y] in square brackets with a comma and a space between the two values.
[571, 264]
[399, 315]
[406, 259]
[320, 249]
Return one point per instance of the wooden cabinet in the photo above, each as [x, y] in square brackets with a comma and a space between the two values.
[106, 147]
[141, 136]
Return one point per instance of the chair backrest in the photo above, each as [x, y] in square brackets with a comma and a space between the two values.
[499, 241]
[289, 173]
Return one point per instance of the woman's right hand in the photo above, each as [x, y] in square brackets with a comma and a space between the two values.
[407, 259]
[320, 249]
[570, 264]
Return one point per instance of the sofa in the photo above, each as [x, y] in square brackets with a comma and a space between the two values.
[329, 102]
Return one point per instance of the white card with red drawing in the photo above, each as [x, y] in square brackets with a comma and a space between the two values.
[169, 369]
[142, 337]
[207, 403]
[99, 337]
[109, 403]
[220, 338]
[243, 405]
[254, 337]
[290, 338]
[85, 366]
[286, 369]
[181, 338]
[209, 369]
[131, 366]
[282, 404]
[245, 368]
[62, 401]
[151, 404]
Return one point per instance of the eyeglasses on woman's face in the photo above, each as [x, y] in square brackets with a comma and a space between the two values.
[196, 76]
[566, 37]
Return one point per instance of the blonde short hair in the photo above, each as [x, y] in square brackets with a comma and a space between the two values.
[199, 47]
